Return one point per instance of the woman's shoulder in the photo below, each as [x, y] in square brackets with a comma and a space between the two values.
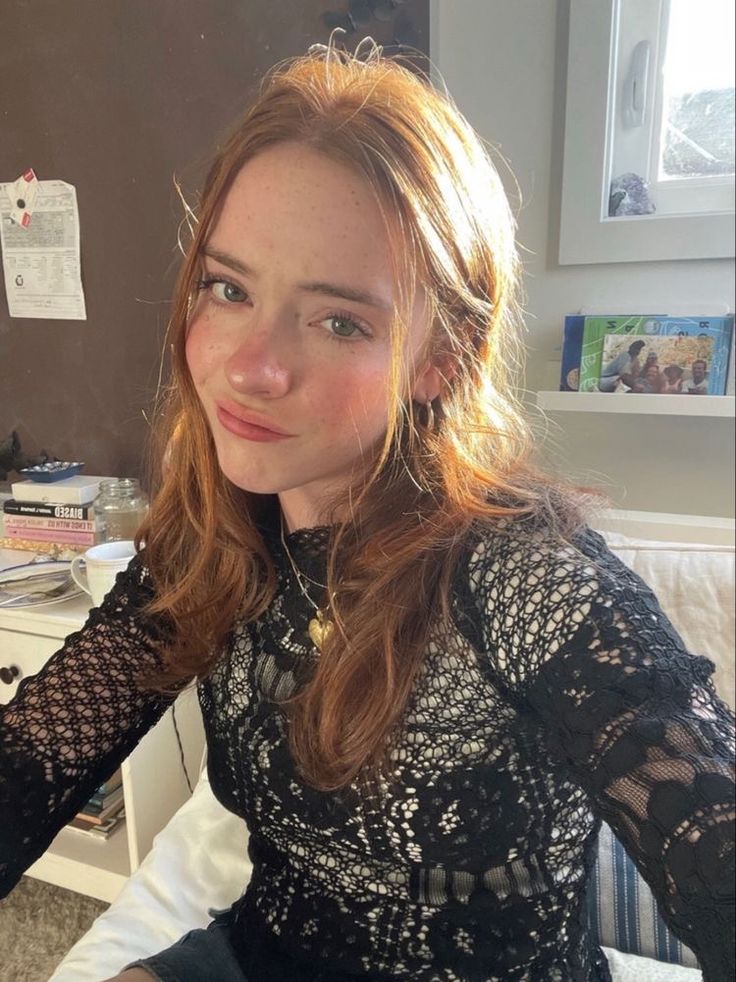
[527, 571]
[523, 569]
[536, 541]
[526, 593]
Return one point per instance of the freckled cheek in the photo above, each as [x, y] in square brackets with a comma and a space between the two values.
[346, 399]
[204, 353]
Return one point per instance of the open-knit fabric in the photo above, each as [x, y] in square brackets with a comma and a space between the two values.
[556, 695]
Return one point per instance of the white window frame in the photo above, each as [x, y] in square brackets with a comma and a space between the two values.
[587, 234]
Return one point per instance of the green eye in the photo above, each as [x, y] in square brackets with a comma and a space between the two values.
[344, 327]
[223, 291]
[229, 292]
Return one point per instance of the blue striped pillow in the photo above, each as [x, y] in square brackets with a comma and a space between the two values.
[622, 912]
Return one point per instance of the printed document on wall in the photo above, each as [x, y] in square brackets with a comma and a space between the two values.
[43, 277]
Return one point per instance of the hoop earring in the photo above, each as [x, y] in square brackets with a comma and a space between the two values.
[430, 415]
[424, 416]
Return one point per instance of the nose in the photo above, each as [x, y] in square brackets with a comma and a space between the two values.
[255, 366]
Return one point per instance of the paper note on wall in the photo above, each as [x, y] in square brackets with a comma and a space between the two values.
[41, 265]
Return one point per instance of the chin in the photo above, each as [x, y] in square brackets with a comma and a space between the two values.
[246, 477]
[251, 482]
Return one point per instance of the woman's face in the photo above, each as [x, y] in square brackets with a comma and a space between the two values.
[291, 329]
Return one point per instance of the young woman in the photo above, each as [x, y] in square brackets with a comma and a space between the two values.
[424, 680]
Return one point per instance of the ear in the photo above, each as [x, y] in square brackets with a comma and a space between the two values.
[432, 378]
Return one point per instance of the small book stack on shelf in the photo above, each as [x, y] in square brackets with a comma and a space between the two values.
[104, 812]
[650, 354]
[52, 518]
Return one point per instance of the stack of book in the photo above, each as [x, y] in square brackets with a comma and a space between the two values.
[52, 518]
[653, 354]
[104, 812]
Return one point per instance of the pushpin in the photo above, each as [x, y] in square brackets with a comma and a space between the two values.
[22, 194]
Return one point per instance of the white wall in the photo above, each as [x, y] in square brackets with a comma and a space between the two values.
[504, 62]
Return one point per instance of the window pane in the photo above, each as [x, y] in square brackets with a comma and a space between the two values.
[698, 120]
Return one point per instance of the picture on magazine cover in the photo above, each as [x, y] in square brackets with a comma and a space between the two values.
[656, 365]
[595, 330]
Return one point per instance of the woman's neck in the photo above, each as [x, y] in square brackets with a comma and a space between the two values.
[297, 515]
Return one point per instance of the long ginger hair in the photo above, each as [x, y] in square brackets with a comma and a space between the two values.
[404, 523]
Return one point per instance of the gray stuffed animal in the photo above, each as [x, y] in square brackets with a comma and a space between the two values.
[629, 196]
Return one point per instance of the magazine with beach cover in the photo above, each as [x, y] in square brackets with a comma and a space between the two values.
[659, 355]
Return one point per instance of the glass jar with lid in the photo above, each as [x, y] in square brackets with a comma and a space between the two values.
[120, 507]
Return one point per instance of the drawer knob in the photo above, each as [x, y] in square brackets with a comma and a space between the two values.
[8, 675]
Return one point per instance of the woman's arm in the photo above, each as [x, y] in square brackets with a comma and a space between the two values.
[635, 718]
[70, 726]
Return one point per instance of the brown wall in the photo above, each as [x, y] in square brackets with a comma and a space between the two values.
[115, 97]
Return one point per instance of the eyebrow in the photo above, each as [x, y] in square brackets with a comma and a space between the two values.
[356, 294]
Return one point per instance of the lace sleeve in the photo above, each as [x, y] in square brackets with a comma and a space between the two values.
[584, 645]
[70, 726]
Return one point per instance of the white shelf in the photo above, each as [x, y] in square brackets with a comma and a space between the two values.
[78, 862]
[637, 403]
[154, 784]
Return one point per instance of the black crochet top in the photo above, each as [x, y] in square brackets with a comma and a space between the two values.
[557, 695]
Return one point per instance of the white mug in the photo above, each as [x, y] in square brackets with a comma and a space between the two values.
[101, 565]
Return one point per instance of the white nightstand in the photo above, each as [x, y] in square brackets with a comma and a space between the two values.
[154, 784]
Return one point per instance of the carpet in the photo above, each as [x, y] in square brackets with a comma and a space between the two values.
[39, 923]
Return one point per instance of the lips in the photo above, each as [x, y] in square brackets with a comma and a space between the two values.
[248, 425]
[248, 416]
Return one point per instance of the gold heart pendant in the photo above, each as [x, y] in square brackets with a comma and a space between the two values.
[319, 630]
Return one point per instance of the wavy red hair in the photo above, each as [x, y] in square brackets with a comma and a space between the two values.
[399, 532]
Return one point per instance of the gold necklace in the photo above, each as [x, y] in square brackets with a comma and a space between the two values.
[320, 626]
